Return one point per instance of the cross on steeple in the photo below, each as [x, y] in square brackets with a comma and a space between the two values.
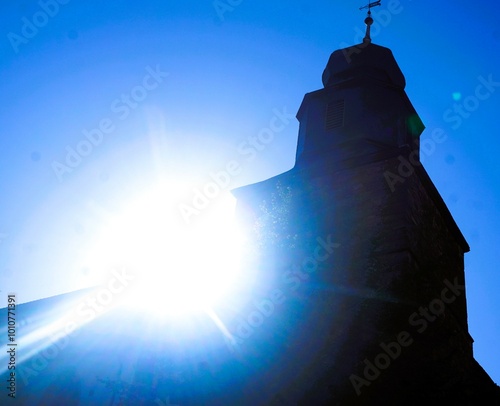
[369, 19]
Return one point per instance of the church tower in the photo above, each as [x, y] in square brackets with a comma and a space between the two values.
[362, 250]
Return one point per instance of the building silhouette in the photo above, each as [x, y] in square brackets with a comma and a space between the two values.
[372, 256]
[360, 298]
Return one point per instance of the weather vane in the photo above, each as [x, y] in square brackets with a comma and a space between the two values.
[369, 19]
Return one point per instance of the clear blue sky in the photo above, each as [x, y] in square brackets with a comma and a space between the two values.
[70, 68]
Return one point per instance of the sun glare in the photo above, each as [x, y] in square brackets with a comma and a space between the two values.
[177, 267]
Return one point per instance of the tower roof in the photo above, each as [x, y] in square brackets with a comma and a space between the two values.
[365, 59]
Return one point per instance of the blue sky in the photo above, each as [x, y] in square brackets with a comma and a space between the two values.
[213, 76]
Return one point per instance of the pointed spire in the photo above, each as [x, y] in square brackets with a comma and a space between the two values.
[368, 22]
[369, 19]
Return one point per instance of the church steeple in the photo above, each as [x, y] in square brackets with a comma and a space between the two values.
[382, 325]
[362, 109]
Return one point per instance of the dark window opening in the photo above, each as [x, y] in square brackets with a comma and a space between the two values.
[334, 115]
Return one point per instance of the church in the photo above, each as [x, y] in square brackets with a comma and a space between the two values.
[381, 318]
[361, 297]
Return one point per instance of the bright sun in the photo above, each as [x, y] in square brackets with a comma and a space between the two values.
[177, 267]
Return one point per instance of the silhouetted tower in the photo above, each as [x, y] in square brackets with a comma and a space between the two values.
[368, 257]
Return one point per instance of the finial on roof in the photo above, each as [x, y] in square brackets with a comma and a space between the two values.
[369, 19]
